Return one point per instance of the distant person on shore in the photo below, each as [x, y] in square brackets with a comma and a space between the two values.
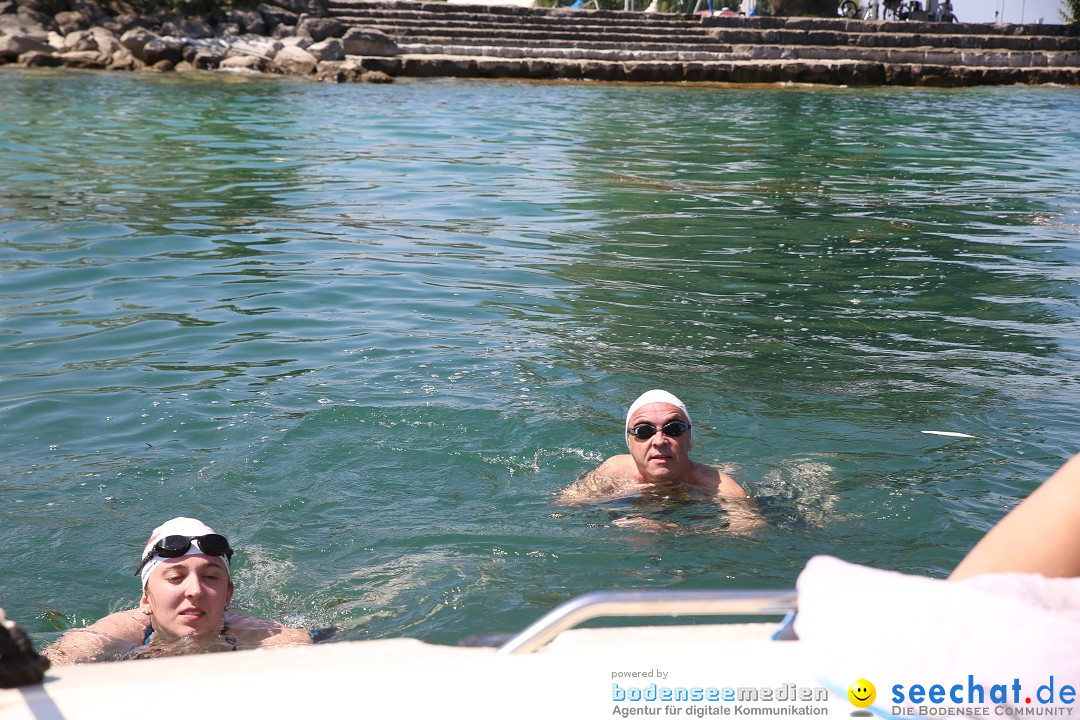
[658, 436]
[187, 588]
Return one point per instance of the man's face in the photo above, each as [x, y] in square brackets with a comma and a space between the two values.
[660, 458]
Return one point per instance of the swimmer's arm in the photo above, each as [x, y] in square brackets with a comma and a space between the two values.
[286, 636]
[119, 630]
[1040, 535]
[728, 488]
[744, 517]
[266, 633]
[643, 523]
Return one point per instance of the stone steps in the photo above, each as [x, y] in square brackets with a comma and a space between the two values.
[526, 36]
[396, 28]
[860, 34]
[750, 52]
[889, 26]
[844, 72]
[444, 12]
[450, 40]
[856, 45]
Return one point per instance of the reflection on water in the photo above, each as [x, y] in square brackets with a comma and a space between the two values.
[371, 332]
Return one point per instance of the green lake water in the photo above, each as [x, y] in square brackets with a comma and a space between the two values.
[369, 332]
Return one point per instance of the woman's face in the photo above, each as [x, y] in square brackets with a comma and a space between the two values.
[187, 595]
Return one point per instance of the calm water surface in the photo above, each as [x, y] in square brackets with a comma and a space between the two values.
[370, 332]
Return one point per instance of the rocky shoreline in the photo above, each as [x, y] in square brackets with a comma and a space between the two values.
[380, 40]
[268, 39]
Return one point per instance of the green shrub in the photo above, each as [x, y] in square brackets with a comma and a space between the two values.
[1071, 13]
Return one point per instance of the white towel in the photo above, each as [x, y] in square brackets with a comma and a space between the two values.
[902, 630]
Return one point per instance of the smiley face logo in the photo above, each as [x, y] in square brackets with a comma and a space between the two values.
[862, 693]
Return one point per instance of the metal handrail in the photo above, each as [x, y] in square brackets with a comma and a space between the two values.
[624, 603]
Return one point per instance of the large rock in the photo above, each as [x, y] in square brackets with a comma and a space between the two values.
[319, 29]
[327, 50]
[27, 23]
[12, 46]
[255, 45]
[274, 15]
[227, 29]
[207, 60]
[122, 59]
[294, 60]
[377, 76]
[249, 21]
[162, 48]
[243, 62]
[106, 40]
[89, 9]
[32, 16]
[44, 7]
[135, 41]
[349, 70]
[358, 41]
[71, 21]
[97, 39]
[295, 41]
[79, 41]
[191, 28]
[130, 21]
[84, 60]
[205, 52]
[283, 31]
[35, 58]
[339, 71]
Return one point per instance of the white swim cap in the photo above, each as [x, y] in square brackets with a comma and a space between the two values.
[656, 396]
[188, 527]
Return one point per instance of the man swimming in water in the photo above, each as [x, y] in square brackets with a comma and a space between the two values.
[658, 435]
[187, 587]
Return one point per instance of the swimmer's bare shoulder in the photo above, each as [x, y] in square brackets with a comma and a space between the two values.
[716, 482]
[613, 478]
[116, 632]
[120, 632]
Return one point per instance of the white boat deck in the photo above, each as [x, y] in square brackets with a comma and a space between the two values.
[405, 678]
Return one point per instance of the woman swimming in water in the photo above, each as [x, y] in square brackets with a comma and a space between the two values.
[187, 587]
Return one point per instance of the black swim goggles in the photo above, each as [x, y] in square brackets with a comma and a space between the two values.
[644, 431]
[172, 546]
